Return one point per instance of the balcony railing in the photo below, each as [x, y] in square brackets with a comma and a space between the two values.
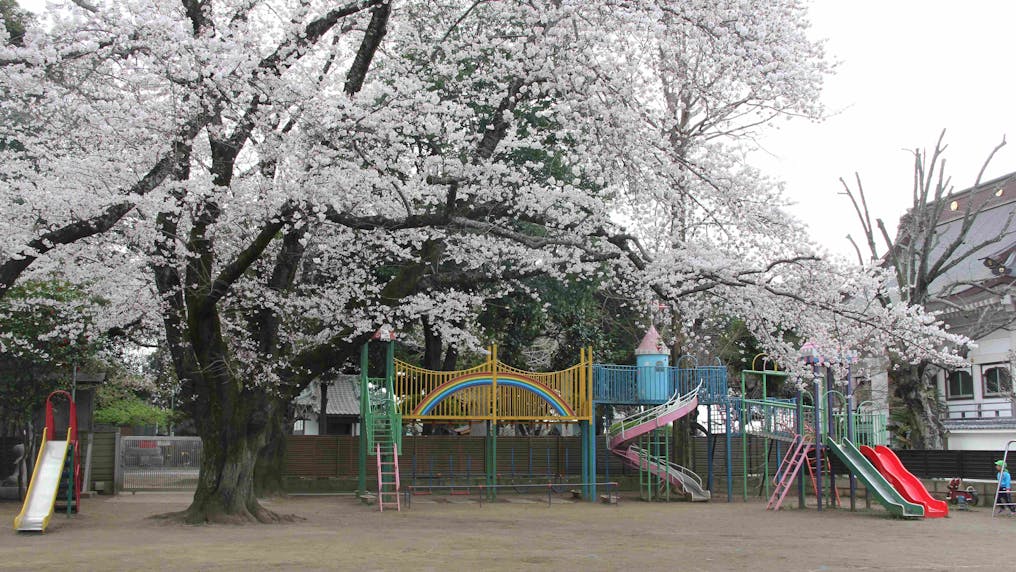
[980, 410]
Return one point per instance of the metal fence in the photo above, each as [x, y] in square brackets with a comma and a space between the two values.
[158, 463]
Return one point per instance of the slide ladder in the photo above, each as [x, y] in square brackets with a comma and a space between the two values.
[622, 434]
[388, 483]
[797, 455]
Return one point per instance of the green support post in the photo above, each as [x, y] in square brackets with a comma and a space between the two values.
[70, 479]
[744, 444]
[588, 460]
[361, 483]
[390, 363]
[664, 462]
[490, 462]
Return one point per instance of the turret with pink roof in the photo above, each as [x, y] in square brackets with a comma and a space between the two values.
[652, 359]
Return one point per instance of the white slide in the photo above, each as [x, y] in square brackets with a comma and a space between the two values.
[38, 508]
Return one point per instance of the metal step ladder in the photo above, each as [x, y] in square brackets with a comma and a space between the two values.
[797, 455]
[998, 507]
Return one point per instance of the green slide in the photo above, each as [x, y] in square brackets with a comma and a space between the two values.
[876, 483]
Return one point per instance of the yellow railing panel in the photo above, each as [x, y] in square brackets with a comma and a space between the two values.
[483, 397]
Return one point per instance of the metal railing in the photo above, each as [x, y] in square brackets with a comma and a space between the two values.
[772, 418]
[383, 405]
[485, 490]
[636, 419]
[777, 419]
[148, 463]
[620, 383]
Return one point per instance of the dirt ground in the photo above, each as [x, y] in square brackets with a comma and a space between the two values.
[338, 533]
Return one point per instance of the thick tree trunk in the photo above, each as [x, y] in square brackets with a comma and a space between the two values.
[231, 442]
[270, 464]
[916, 419]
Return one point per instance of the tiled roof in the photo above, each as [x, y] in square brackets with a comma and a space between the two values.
[986, 423]
[989, 224]
[343, 396]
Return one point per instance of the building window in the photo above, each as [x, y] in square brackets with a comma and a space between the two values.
[996, 379]
[960, 385]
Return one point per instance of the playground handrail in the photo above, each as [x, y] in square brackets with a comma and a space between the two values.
[793, 450]
[684, 470]
[636, 419]
[779, 419]
[391, 410]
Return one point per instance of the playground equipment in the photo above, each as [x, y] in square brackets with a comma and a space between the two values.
[829, 425]
[382, 423]
[961, 496]
[622, 434]
[494, 394]
[488, 394]
[641, 439]
[57, 473]
[886, 494]
[908, 485]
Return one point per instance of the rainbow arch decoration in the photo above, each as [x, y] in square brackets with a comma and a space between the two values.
[484, 379]
[495, 391]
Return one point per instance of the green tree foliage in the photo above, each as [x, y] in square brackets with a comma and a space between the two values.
[571, 315]
[44, 330]
[14, 19]
[118, 405]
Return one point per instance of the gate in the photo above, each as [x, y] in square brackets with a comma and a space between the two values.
[159, 463]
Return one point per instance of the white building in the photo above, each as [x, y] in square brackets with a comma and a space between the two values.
[975, 298]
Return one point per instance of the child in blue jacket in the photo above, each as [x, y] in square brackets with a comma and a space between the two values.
[1004, 500]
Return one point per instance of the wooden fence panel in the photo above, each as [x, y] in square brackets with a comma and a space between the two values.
[312, 456]
[103, 458]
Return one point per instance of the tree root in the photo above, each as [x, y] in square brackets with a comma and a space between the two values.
[259, 515]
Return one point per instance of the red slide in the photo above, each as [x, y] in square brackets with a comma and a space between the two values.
[904, 481]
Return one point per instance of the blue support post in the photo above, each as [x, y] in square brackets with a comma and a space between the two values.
[709, 447]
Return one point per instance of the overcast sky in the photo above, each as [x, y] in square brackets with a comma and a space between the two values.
[907, 69]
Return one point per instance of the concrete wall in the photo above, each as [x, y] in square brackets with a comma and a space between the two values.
[980, 440]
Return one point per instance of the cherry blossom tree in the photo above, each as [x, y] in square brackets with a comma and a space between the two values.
[277, 179]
